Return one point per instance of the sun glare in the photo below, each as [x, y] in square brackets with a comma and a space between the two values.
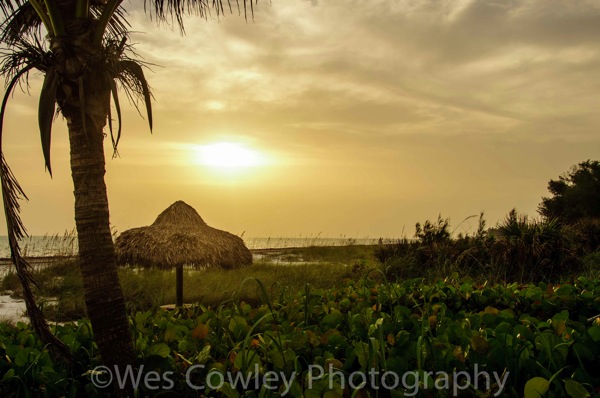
[227, 155]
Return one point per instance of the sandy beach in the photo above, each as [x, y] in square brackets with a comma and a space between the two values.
[13, 309]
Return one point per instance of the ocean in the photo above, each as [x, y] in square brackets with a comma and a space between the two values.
[66, 245]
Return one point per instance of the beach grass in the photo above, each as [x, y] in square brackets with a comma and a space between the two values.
[281, 272]
[150, 288]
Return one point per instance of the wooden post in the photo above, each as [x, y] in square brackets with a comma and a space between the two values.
[179, 285]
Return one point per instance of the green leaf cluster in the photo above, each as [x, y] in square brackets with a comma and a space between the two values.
[543, 337]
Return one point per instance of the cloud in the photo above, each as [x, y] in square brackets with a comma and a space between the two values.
[385, 67]
[452, 97]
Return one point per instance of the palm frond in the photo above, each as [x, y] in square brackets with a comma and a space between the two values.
[118, 26]
[103, 20]
[12, 193]
[11, 190]
[170, 11]
[30, 53]
[46, 111]
[115, 96]
[131, 76]
[7, 7]
[22, 53]
[57, 23]
[23, 21]
[82, 8]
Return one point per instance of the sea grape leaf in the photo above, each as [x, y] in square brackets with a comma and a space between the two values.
[402, 338]
[200, 332]
[204, 355]
[247, 360]
[583, 351]
[238, 325]
[142, 317]
[479, 344]
[576, 390]
[22, 357]
[227, 390]
[333, 319]
[506, 313]
[491, 310]
[173, 332]
[289, 356]
[561, 316]
[298, 342]
[536, 387]
[564, 290]
[594, 333]
[401, 311]
[160, 349]
[362, 352]
[295, 389]
[8, 375]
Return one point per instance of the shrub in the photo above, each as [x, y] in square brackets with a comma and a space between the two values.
[533, 250]
[575, 195]
[518, 250]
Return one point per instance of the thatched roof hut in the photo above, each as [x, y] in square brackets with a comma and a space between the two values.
[179, 236]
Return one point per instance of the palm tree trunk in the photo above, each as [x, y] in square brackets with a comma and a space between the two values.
[84, 101]
[103, 295]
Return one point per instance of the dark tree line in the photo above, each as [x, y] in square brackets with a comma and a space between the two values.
[575, 195]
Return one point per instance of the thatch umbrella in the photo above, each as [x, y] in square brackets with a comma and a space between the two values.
[179, 237]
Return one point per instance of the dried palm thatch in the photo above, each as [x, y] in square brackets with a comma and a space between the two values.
[179, 236]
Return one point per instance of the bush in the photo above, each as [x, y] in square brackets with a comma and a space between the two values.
[518, 250]
[575, 195]
[533, 250]
[591, 264]
[586, 235]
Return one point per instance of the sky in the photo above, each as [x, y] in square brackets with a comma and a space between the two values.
[340, 118]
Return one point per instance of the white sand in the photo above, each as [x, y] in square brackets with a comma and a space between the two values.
[13, 309]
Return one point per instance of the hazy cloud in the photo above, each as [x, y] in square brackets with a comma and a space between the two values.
[432, 104]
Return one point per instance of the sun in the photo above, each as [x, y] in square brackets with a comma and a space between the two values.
[228, 155]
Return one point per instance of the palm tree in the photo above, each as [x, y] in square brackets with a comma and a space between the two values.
[83, 57]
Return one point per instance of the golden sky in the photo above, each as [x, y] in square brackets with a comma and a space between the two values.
[346, 117]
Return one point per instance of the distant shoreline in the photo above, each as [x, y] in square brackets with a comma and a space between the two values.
[49, 247]
[37, 260]
[44, 260]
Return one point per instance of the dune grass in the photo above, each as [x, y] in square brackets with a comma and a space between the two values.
[150, 288]
[348, 255]
[61, 290]
[434, 255]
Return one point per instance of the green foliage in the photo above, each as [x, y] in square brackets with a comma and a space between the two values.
[586, 232]
[431, 233]
[534, 250]
[349, 254]
[430, 249]
[591, 264]
[538, 336]
[519, 249]
[575, 195]
[151, 288]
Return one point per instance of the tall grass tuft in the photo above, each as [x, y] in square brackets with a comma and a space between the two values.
[56, 245]
[532, 250]
[61, 284]
[518, 250]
